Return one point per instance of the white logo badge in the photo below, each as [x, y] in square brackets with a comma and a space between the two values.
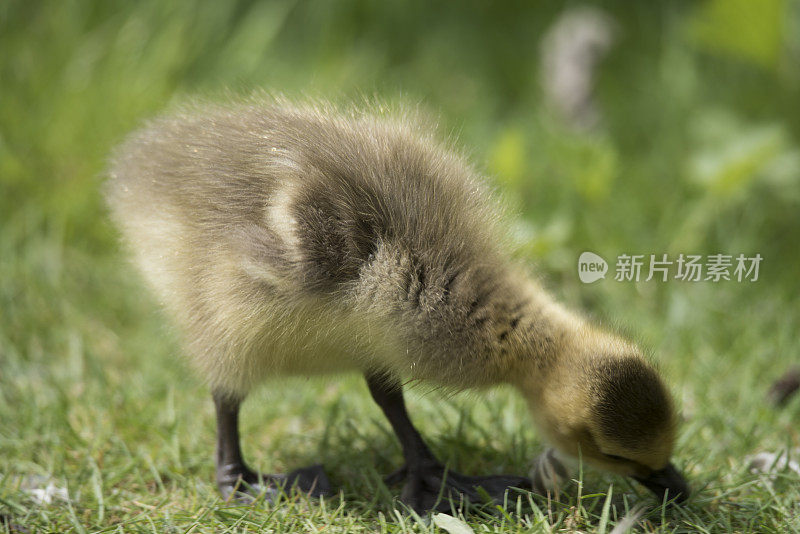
[591, 267]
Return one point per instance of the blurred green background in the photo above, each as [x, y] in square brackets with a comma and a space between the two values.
[687, 140]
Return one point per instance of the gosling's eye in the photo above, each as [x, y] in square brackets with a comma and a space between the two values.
[616, 458]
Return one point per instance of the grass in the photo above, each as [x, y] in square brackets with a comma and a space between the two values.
[697, 153]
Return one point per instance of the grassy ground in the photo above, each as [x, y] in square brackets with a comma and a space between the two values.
[697, 153]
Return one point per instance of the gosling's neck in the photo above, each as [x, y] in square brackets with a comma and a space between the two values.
[557, 358]
[475, 324]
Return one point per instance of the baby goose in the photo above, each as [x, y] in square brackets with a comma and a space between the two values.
[292, 239]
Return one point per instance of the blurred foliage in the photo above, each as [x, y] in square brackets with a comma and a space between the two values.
[751, 31]
[700, 100]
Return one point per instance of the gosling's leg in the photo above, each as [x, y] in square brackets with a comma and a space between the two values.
[233, 474]
[429, 484]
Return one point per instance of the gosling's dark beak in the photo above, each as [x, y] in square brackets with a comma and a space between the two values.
[666, 481]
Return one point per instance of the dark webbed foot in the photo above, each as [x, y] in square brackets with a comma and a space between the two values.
[247, 484]
[432, 487]
[429, 485]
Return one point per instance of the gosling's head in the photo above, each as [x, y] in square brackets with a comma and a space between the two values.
[616, 414]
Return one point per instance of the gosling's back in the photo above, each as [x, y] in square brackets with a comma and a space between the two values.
[301, 239]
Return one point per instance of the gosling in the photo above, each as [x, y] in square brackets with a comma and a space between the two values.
[306, 239]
